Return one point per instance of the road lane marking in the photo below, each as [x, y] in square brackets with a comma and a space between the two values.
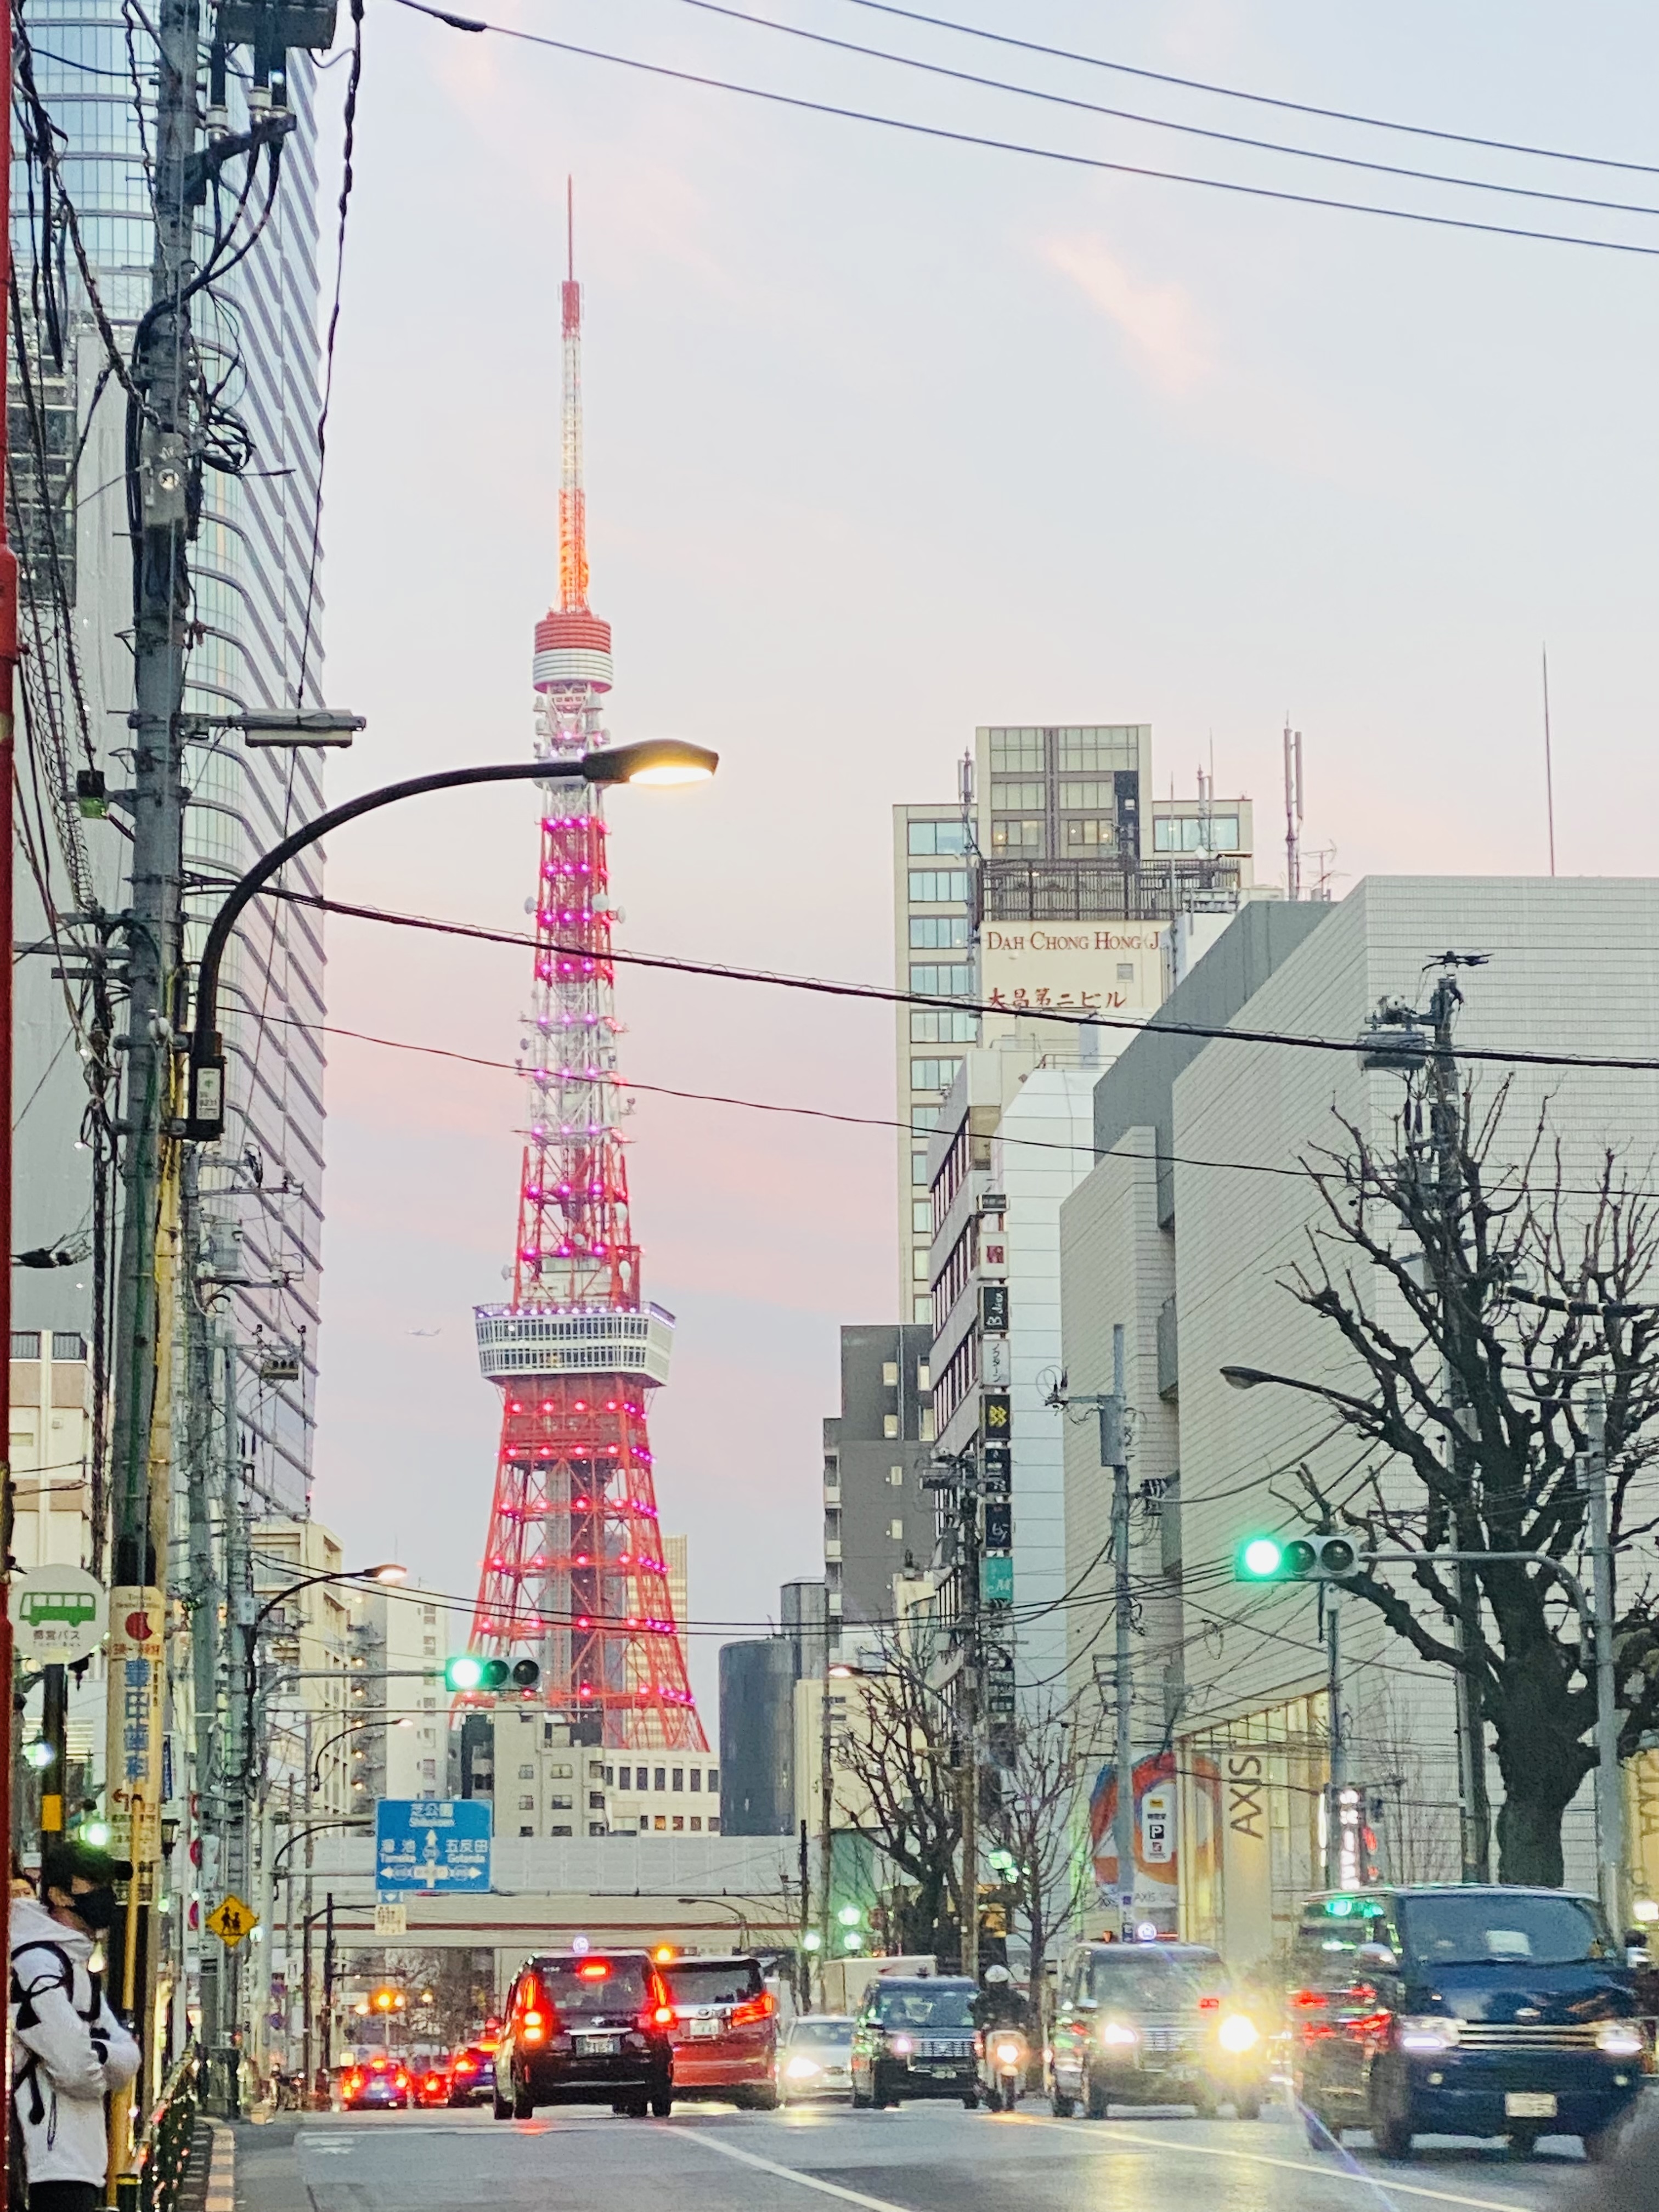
[1385, 2184]
[812, 2180]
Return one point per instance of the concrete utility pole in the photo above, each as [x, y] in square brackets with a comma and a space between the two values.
[1609, 1779]
[1114, 1453]
[972, 1663]
[1330, 1597]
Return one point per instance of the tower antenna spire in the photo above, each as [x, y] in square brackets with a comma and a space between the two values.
[572, 500]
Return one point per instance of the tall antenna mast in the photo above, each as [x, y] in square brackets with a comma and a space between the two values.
[1292, 811]
[572, 500]
[1549, 765]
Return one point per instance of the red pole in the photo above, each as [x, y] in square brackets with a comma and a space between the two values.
[7, 670]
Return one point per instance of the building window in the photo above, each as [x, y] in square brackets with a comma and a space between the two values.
[66, 1344]
[596, 1800]
[922, 1382]
[714, 1828]
[890, 1374]
[1084, 797]
[1088, 752]
[645, 1820]
[714, 1778]
[890, 1424]
[933, 1074]
[895, 1531]
[896, 1476]
[919, 1167]
[938, 933]
[939, 886]
[529, 1832]
[696, 1780]
[928, 839]
[918, 1271]
[1184, 833]
[679, 1780]
[924, 1117]
[26, 1344]
[1126, 971]
[1011, 833]
[921, 1217]
[944, 982]
[563, 1769]
[696, 1823]
[563, 1804]
[1017, 750]
[428, 1770]
[1091, 834]
[610, 1774]
[626, 1781]
[658, 1820]
[526, 1774]
[1018, 798]
[679, 1822]
[942, 1025]
[596, 1828]
[662, 1777]
[564, 1829]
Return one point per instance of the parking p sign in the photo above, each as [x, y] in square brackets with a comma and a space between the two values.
[432, 1843]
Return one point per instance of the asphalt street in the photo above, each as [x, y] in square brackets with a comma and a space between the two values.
[918, 2159]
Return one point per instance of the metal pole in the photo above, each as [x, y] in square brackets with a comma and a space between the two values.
[8, 669]
[970, 1675]
[803, 1979]
[1336, 1742]
[1113, 1452]
[1609, 1776]
[826, 1791]
[54, 1733]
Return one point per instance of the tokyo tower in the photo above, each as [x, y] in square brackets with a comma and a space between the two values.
[573, 1574]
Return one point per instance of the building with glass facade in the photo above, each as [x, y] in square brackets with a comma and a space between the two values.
[254, 568]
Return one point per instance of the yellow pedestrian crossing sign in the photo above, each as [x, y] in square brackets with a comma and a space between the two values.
[231, 1920]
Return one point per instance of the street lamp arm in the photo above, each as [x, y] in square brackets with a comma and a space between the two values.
[1248, 1378]
[315, 1829]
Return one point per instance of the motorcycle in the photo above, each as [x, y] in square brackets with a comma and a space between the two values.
[1004, 2056]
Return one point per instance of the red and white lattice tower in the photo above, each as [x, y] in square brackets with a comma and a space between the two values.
[573, 1573]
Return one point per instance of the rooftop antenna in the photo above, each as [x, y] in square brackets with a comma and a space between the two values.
[1549, 766]
[573, 503]
[1292, 810]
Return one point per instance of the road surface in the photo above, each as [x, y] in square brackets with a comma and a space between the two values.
[920, 2158]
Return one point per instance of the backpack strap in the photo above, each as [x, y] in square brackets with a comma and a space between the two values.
[27, 2072]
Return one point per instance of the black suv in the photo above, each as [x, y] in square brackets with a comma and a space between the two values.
[588, 2027]
[914, 2037]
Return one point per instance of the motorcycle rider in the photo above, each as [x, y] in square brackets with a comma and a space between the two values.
[999, 2004]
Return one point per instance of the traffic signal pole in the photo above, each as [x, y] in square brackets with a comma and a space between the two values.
[1336, 1738]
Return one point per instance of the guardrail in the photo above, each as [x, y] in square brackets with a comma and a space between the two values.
[164, 2151]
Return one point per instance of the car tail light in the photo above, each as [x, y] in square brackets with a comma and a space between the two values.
[760, 2008]
[593, 1970]
[660, 2015]
[466, 2065]
[1308, 2000]
[401, 2081]
[1209, 2004]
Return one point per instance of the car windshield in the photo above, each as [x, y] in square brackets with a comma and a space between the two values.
[922, 2005]
[1153, 1980]
[579, 1986]
[713, 1981]
[1470, 1928]
[821, 2035]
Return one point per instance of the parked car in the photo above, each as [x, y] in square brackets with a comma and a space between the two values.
[473, 2075]
[1153, 2024]
[815, 2059]
[914, 2037]
[725, 2033]
[378, 2084]
[586, 2028]
[1465, 2010]
[433, 2085]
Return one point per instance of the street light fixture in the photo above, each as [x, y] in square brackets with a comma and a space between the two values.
[653, 761]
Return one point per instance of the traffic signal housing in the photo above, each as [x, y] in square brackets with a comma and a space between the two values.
[1302, 1559]
[466, 1671]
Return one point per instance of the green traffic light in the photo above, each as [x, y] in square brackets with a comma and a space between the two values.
[463, 1671]
[1259, 1559]
[849, 1915]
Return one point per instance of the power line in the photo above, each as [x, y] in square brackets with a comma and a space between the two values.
[1258, 99]
[1094, 163]
[886, 994]
[1166, 123]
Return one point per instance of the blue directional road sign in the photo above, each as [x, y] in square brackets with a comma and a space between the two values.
[432, 1843]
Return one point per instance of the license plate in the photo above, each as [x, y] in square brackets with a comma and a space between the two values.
[1528, 2105]
[705, 2027]
[598, 2046]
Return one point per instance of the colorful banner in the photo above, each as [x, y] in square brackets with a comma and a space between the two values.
[137, 1616]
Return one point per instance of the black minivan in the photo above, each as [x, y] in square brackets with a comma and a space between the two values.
[1462, 2011]
[587, 2027]
[914, 2037]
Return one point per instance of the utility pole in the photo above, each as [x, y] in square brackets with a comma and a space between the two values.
[1330, 1596]
[1445, 1114]
[1114, 1453]
[7, 761]
[1609, 1778]
[969, 1710]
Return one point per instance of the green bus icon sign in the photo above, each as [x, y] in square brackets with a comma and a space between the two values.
[70, 1607]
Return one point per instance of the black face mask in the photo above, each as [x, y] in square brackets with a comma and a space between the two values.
[96, 1907]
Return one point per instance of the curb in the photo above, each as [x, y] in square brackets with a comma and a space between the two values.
[221, 2169]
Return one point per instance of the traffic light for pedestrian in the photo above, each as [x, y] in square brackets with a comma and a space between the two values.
[1302, 1559]
[467, 1671]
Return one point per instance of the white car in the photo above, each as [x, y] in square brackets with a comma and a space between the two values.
[815, 2059]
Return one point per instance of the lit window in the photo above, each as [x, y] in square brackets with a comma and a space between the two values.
[1090, 833]
[660, 1821]
[896, 1476]
[890, 1424]
[895, 1530]
[1011, 835]
[922, 1383]
[679, 1820]
[890, 1374]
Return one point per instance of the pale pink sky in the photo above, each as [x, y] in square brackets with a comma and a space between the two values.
[885, 438]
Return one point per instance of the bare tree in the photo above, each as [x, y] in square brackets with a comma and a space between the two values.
[1484, 1302]
[1033, 1818]
[903, 1755]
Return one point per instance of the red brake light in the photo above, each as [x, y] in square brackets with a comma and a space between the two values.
[663, 2016]
[756, 2009]
[1308, 2000]
[466, 2065]
[1209, 2004]
[593, 1970]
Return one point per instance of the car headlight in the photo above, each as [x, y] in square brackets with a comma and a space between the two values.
[900, 2045]
[1431, 2031]
[1621, 2038]
[1117, 2034]
[1009, 2054]
[1236, 2033]
[801, 2068]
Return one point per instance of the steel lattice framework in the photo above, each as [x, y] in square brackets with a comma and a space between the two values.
[573, 1573]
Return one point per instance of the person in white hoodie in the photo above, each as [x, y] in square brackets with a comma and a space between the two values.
[69, 2049]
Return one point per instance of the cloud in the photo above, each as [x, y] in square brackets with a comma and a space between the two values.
[1160, 320]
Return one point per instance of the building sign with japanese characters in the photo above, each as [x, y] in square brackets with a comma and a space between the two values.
[1074, 968]
[137, 1617]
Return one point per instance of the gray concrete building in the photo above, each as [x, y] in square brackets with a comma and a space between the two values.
[878, 1519]
[759, 1782]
